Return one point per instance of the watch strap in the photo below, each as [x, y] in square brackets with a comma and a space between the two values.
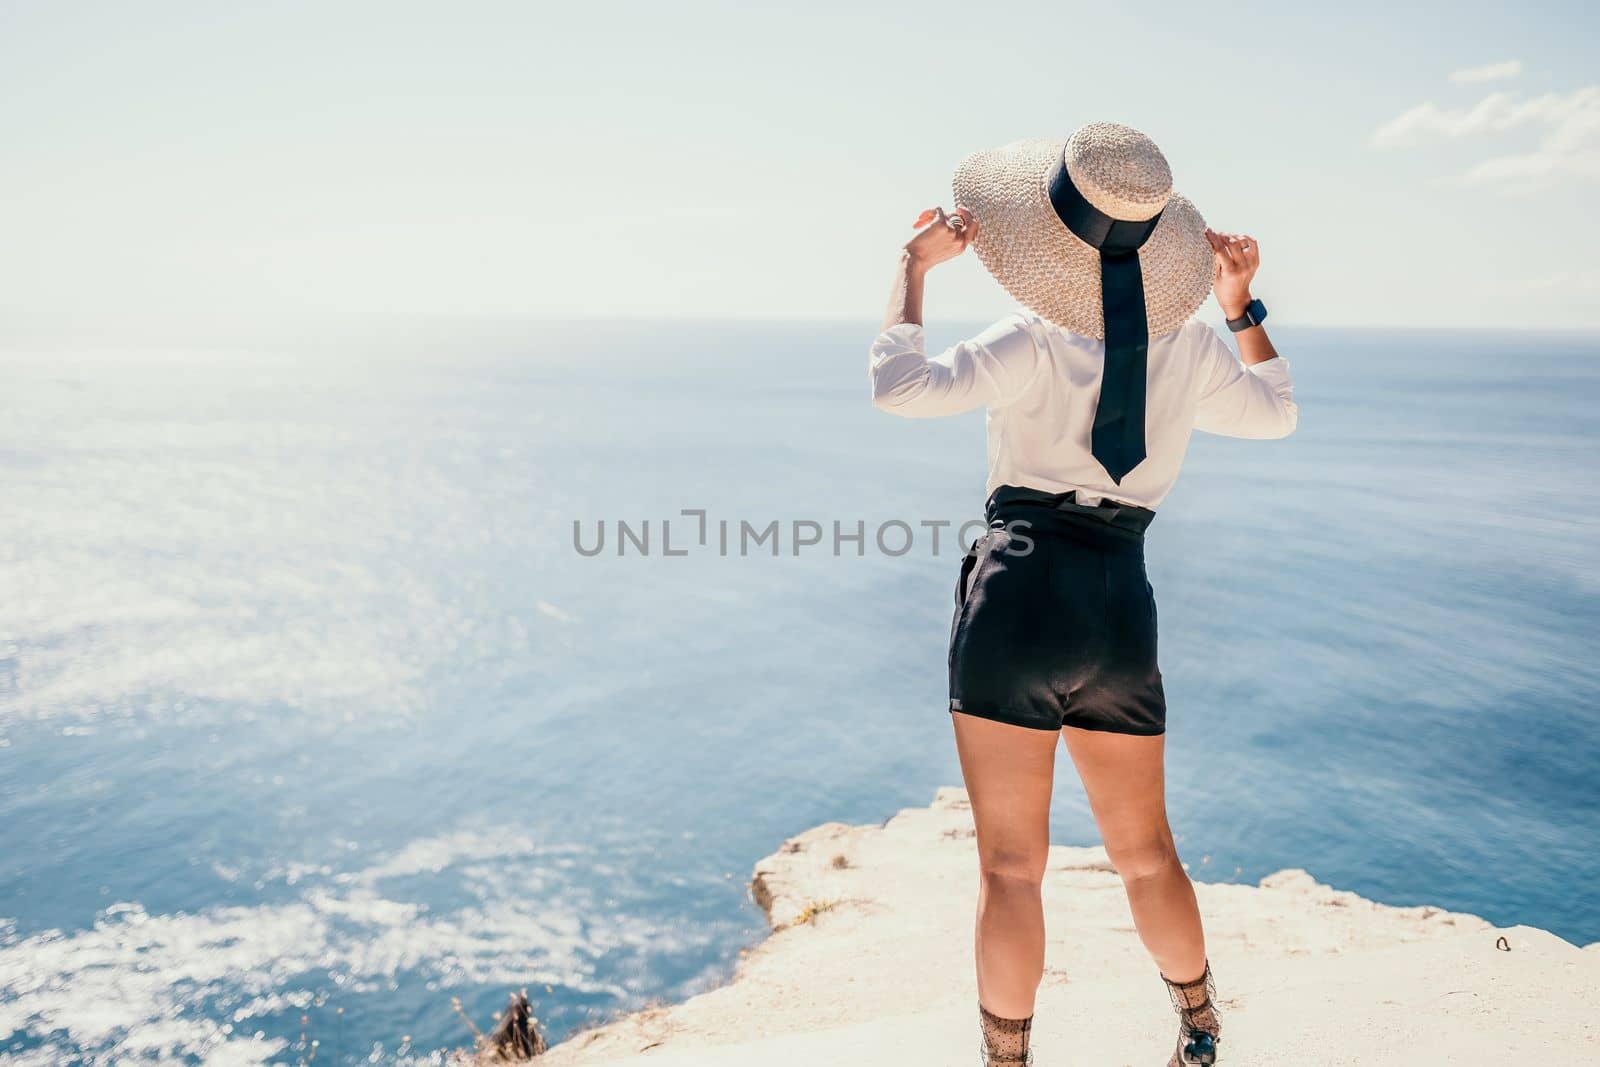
[1254, 313]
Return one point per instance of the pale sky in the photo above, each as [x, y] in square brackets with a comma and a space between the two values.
[168, 164]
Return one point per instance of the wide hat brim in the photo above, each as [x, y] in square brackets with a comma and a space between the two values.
[1048, 269]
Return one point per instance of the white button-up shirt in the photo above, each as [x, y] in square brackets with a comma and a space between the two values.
[1040, 384]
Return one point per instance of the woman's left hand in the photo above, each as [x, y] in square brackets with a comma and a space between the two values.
[1237, 257]
[945, 237]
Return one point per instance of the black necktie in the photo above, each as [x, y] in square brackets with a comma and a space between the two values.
[1117, 439]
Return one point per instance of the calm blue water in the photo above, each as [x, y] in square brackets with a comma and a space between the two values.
[312, 718]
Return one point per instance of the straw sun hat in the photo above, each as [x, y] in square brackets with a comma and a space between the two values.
[1025, 242]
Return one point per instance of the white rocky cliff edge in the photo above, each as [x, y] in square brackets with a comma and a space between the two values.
[870, 962]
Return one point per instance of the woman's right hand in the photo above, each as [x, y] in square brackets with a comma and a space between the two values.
[1237, 256]
[944, 237]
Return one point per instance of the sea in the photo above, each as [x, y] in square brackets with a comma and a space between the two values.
[346, 691]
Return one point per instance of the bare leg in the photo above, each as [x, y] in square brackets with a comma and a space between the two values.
[1009, 772]
[1124, 777]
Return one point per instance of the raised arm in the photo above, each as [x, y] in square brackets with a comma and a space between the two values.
[943, 237]
[1238, 256]
[1255, 397]
[987, 371]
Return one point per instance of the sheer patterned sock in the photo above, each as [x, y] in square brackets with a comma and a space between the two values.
[1005, 1041]
[1195, 1003]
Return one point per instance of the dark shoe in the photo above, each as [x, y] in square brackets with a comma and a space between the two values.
[1194, 1047]
[1199, 1027]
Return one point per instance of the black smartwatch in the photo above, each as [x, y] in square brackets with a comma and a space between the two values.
[1253, 315]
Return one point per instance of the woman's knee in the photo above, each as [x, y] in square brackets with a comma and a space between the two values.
[1144, 858]
[1008, 869]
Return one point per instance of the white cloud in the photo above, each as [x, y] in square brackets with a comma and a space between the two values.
[1489, 72]
[1533, 169]
[1568, 146]
[1495, 113]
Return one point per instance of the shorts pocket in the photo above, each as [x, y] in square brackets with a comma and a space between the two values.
[969, 563]
[972, 568]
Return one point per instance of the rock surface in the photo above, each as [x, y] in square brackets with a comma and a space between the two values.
[870, 962]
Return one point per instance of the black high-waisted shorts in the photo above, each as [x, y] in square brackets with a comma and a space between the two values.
[1055, 619]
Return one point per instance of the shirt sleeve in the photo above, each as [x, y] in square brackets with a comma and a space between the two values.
[1238, 401]
[991, 370]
